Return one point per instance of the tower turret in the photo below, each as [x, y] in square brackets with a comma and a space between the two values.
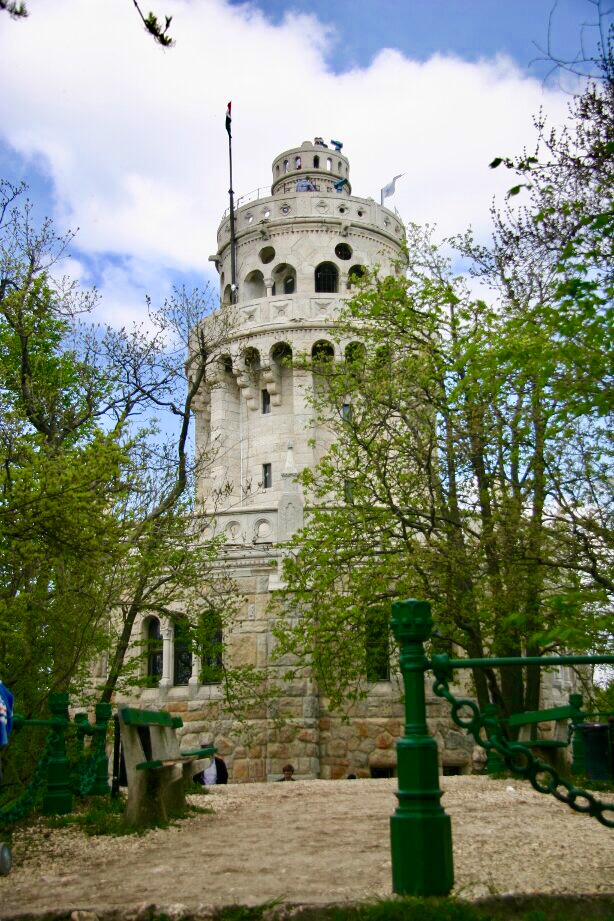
[314, 162]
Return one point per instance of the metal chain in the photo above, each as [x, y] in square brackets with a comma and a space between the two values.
[25, 804]
[543, 777]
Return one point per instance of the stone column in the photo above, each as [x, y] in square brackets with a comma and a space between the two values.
[194, 680]
[166, 680]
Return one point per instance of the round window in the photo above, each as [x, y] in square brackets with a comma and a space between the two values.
[266, 212]
[342, 210]
[361, 213]
[267, 254]
[285, 209]
[249, 218]
[343, 251]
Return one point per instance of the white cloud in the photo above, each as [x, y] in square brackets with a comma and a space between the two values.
[134, 136]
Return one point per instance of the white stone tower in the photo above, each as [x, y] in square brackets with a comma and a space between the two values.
[297, 249]
[298, 246]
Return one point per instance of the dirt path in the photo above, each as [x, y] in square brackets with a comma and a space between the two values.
[311, 842]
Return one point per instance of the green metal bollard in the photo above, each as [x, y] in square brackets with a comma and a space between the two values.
[578, 752]
[100, 786]
[420, 830]
[58, 795]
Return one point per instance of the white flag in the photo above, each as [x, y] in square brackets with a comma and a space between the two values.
[389, 189]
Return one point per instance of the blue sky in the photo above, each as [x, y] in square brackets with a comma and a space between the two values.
[126, 141]
[471, 29]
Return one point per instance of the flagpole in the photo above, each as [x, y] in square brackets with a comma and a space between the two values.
[233, 242]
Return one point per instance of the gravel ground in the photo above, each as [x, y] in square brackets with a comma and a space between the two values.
[310, 842]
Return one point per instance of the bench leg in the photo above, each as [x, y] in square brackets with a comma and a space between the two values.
[146, 805]
[174, 790]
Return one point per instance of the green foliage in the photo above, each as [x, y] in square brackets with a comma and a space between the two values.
[603, 697]
[471, 452]
[158, 32]
[98, 525]
[523, 908]
[15, 8]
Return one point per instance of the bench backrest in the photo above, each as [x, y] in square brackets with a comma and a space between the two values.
[543, 716]
[147, 735]
[133, 717]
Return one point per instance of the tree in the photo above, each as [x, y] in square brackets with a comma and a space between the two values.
[17, 9]
[98, 518]
[472, 455]
[454, 465]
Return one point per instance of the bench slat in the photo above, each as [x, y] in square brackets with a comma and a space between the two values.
[133, 717]
[543, 743]
[164, 762]
[200, 752]
[541, 716]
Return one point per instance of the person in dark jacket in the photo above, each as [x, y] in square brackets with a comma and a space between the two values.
[215, 773]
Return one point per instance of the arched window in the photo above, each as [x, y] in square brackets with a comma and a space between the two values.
[377, 644]
[227, 298]
[355, 353]
[322, 351]
[297, 163]
[286, 166]
[251, 360]
[326, 278]
[211, 648]
[226, 364]
[355, 274]
[282, 353]
[182, 670]
[284, 279]
[153, 641]
[254, 286]
[329, 164]
[316, 162]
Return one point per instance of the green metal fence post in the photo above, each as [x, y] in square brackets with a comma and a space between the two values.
[100, 786]
[58, 795]
[420, 830]
[578, 753]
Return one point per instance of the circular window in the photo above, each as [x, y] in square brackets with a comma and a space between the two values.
[285, 209]
[343, 251]
[249, 218]
[266, 212]
[342, 209]
[267, 254]
[386, 222]
[361, 213]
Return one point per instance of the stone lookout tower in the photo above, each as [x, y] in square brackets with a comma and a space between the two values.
[299, 246]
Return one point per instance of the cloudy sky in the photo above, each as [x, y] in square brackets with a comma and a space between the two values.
[125, 140]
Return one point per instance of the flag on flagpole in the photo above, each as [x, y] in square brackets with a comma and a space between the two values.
[389, 189]
[228, 119]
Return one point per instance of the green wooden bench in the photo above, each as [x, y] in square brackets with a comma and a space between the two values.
[565, 718]
[157, 770]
